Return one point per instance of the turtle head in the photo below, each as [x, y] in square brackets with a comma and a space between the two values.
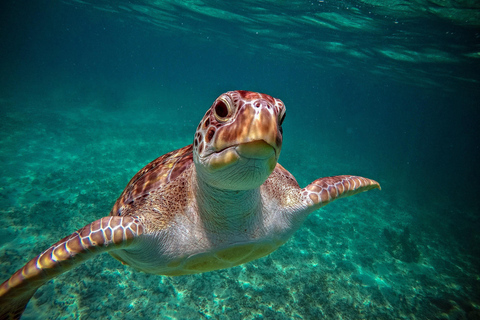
[238, 141]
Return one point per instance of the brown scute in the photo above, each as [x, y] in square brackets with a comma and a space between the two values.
[363, 181]
[129, 234]
[84, 232]
[152, 177]
[248, 95]
[324, 196]
[332, 191]
[97, 238]
[108, 233]
[117, 235]
[314, 197]
[61, 252]
[96, 225]
[206, 123]
[179, 167]
[74, 245]
[30, 270]
[45, 260]
[86, 241]
[244, 94]
[341, 188]
[15, 280]
[349, 185]
[135, 228]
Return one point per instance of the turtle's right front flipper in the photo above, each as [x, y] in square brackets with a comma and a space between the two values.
[99, 236]
[325, 190]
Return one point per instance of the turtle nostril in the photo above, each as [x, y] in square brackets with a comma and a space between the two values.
[259, 104]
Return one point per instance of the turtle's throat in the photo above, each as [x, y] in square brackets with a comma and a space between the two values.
[222, 210]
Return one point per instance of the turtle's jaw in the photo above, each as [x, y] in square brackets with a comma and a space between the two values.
[242, 166]
[261, 151]
[258, 150]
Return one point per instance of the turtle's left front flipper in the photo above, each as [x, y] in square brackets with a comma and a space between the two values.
[99, 236]
[324, 190]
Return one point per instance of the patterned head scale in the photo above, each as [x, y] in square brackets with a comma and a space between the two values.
[238, 141]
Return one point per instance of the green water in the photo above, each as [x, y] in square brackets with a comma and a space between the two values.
[92, 92]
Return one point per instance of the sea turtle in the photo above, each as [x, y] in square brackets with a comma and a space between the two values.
[217, 203]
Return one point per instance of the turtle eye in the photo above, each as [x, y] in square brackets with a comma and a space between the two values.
[282, 118]
[221, 110]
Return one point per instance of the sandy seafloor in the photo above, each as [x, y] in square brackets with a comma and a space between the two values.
[365, 257]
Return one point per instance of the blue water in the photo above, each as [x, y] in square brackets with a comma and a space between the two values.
[91, 91]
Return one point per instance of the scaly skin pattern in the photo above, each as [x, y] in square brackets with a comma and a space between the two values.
[222, 201]
[94, 238]
[324, 190]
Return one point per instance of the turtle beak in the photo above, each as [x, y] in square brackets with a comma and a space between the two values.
[256, 138]
[259, 136]
[258, 149]
[256, 133]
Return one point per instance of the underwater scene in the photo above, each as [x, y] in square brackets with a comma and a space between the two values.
[91, 91]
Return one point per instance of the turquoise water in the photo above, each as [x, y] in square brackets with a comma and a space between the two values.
[91, 91]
